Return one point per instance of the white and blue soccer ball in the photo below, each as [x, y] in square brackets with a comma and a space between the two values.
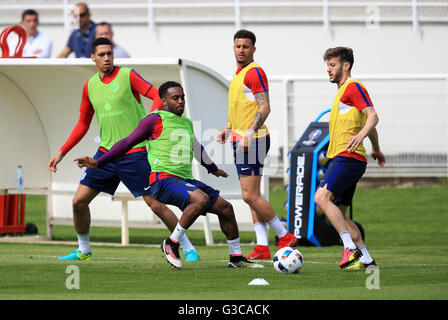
[288, 260]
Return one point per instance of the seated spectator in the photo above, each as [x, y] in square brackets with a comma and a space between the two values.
[37, 44]
[104, 30]
[80, 41]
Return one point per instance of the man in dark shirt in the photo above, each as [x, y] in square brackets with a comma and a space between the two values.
[80, 41]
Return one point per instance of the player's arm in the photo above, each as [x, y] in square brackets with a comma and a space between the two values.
[264, 109]
[371, 121]
[143, 87]
[376, 152]
[357, 96]
[223, 134]
[78, 132]
[256, 80]
[143, 131]
[204, 159]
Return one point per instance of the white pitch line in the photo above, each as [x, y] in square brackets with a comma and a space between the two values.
[219, 260]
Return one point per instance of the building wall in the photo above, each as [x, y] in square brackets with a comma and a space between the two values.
[286, 48]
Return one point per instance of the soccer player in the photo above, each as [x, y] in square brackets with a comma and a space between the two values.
[172, 145]
[352, 119]
[113, 94]
[248, 109]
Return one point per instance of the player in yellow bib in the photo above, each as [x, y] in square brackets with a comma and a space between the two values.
[352, 119]
[248, 109]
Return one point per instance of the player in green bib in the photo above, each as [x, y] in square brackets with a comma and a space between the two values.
[172, 146]
[113, 96]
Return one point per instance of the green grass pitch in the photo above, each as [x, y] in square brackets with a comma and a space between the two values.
[406, 232]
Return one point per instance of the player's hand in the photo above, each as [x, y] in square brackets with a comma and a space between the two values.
[52, 164]
[220, 173]
[222, 135]
[87, 162]
[354, 142]
[244, 144]
[378, 155]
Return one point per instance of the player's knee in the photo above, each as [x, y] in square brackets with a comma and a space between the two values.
[320, 198]
[79, 204]
[249, 197]
[157, 206]
[227, 208]
[201, 201]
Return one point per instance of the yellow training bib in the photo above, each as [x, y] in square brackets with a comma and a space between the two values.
[242, 105]
[345, 122]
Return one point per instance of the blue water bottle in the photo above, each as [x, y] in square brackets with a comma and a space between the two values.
[19, 178]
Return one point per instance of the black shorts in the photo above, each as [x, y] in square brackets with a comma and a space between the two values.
[253, 159]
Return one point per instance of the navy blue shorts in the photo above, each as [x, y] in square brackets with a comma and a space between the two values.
[253, 159]
[174, 191]
[341, 177]
[132, 169]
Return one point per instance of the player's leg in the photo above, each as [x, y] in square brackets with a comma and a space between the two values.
[261, 250]
[338, 185]
[250, 169]
[81, 220]
[365, 260]
[92, 182]
[226, 216]
[324, 199]
[170, 220]
[162, 211]
[355, 234]
[227, 221]
[133, 170]
[250, 187]
[224, 210]
[187, 197]
[197, 205]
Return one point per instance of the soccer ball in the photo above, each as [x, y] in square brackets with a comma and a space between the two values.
[288, 260]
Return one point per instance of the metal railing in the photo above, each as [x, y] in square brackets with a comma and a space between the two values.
[371, 8]
[413, 128]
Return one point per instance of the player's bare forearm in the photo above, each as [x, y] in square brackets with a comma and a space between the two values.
[376, 153]
[373, 137]
[264, 108]
[262, 113]
[52, 164]
[371, 121]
